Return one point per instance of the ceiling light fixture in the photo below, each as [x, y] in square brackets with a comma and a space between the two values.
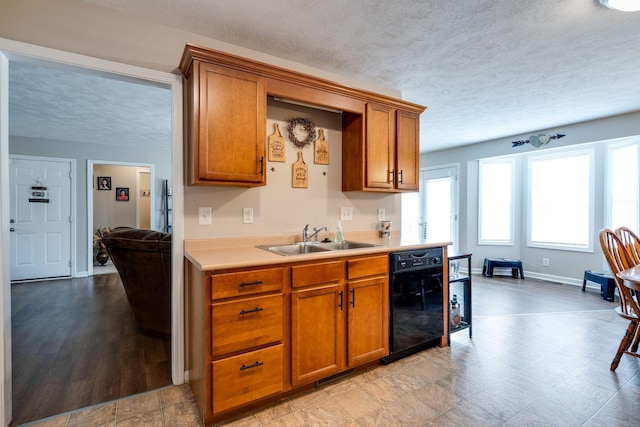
[623, 5]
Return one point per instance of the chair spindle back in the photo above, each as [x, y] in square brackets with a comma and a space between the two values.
[619, 258]
[631, 242]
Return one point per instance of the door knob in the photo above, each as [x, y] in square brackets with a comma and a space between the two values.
[12, 229]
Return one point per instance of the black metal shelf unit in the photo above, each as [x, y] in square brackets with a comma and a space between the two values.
[460, 286]
[166, 195]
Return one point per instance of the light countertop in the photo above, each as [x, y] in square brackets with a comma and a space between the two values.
[226, 253]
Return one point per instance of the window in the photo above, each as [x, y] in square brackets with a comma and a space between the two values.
[622, 189]
[495, 199]
[561, 200]
[439, 205]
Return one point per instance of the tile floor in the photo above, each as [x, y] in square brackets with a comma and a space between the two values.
[541, 370]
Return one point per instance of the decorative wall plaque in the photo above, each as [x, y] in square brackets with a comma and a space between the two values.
[321, 149]
[300, 173]
[38, 195]
[277, 149]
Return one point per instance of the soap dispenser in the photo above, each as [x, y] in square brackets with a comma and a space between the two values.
[339, 237]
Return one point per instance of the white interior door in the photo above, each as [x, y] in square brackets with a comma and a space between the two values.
[40, 218]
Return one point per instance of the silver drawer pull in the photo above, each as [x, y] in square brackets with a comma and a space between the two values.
[253, 310]
[254, 365]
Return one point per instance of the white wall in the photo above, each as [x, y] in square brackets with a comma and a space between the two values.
[564, 266]
[109, 212]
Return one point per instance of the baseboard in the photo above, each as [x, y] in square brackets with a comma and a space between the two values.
[534, 275]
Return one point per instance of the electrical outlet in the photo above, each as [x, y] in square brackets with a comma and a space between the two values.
[346, 214]
[545, 262]
[204, 216]
[247, 215]
[381, 214]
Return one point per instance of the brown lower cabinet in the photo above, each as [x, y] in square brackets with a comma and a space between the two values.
[257, 333]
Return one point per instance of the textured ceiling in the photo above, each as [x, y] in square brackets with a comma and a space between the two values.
[59, 104]
[485, 69]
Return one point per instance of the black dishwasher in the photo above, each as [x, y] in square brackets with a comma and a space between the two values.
[416, 312]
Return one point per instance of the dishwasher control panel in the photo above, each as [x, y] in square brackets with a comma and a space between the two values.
[415, 259]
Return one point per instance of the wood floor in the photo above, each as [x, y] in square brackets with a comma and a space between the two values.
[75, 344]
[503, 295]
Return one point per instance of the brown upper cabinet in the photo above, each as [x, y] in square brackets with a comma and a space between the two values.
[226, 126]
[225, 120]
[382, 151]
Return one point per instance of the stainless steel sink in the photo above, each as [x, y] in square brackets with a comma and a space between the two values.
[308, 248]
[347, 244]
[293, 249]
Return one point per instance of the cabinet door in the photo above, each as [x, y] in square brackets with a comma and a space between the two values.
[407, 150]
[368, 328]
[380, 146]
[317, 333]
[231, 131]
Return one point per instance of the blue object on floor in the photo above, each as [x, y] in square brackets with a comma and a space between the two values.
[514, 264]
[605, 280]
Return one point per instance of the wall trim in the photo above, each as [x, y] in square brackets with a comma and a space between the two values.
[14, 50]
[499, 271]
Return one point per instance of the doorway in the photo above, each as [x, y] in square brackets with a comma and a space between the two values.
[41, 221]
[29, 53]
[108, 209]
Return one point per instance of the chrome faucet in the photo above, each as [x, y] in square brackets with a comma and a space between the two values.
[306, 236]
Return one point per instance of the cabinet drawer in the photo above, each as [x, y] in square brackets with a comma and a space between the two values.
[247, 323]
[247, 377]
[246, 282]
[371, 266]
[315, 274]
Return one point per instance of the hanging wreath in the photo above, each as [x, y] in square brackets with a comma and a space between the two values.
[302, 131]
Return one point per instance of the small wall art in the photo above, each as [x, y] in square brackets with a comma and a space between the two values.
[122, 194]
[321, 149]
[300, 173]
[104, 183]
[301, 131]
[277, 148]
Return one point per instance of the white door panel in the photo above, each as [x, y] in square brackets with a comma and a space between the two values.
[41, 236]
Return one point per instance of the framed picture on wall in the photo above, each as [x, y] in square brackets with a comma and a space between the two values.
[104, 183]
[122, 194]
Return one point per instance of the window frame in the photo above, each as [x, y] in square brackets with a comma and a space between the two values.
[437, 172]
[562, 154]
[511, 160]
[612, 145]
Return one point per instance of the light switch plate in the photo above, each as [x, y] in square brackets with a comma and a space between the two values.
[346, 214]
[204, 216]
[381, 214]
[247, 215]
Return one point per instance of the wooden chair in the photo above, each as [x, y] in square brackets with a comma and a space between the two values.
[631, 241]
[619, 259]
